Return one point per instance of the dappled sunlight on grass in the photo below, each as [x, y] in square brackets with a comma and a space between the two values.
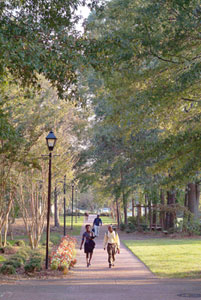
[107, 220]
[76, 226]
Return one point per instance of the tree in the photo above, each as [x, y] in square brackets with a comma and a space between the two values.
[40, 37]
[144, 83]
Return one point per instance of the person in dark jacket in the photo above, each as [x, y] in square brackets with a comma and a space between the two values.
[96, 224]
[89, 244]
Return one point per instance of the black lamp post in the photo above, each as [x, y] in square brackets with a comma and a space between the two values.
[51, 141]
[76, 205]
[72, 206]
[64, 205]
[56, 222]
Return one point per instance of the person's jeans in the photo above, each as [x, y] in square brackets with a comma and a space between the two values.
[111, 250]
[96, 230]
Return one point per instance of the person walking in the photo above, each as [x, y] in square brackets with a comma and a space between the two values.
[97, 222]
[111, 240]
[89, 244]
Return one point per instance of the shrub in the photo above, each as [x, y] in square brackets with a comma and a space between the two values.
[8, 269]
[15, 262]
[134, 220]
[20, 243]
[131, 227]
[23, 254]
[122, 226]
[192, 226]
[62, 257]
[9, 250]
[34, 264]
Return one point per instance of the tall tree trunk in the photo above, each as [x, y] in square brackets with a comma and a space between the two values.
[145, 209]
[193, 198]
[133, 207]
[150, 214]
[162, 213]
[117, 210]
[125, 209]
[154, 215]
[170, 217]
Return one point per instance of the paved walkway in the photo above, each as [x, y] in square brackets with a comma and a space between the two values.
[129, 279]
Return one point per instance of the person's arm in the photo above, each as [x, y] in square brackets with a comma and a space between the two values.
[101, 222]
[117, 242]
[92, 236]
[82, 242]
[105, 241]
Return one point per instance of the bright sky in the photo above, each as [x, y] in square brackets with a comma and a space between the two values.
[84, 12]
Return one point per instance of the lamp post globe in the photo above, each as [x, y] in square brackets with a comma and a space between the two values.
[51, 140]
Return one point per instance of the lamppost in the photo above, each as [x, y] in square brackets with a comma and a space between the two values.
[76, 205]
[56, 221]
[72, 206]
[51, 141]
[64, 205]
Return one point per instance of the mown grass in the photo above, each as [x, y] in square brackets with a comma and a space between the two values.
[169, 258]
[107, 220]
[76, 226]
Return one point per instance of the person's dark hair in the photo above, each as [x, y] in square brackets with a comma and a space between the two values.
[86, 226]
[98, 216]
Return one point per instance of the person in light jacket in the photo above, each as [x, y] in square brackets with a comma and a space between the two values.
[111, 240]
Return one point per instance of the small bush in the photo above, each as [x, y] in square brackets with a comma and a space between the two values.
[192, 226]
[122, 226]
[23, 254]
[7, 269]
[20, 243]
[18, 258]
[16, 263]
[34, 264]
[131, 227]
[9, 250]
[134, 220]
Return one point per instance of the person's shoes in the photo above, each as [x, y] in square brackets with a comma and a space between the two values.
[110, 265]
[88, 264]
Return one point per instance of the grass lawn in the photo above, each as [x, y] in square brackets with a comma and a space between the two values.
[169, 258]
[76, 226]
[107, 220]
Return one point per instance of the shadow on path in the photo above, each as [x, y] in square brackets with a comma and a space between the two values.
[129, 279]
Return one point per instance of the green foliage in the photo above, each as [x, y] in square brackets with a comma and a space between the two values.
[40, 38]
[23, 254]
[20, 243]
[8, 269]
[122, 226]
[2, 258]
[34, 264]
[191, 226]
[144, 86]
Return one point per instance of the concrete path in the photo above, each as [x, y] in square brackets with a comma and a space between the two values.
[129, 279]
